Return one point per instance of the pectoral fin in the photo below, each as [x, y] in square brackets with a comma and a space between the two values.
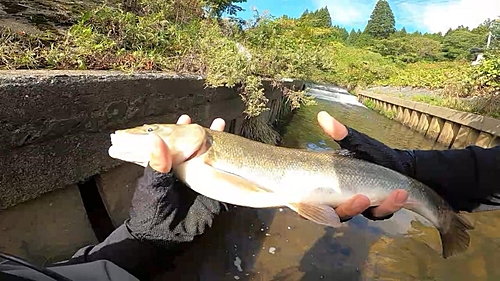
[321, 214]
[226, 187]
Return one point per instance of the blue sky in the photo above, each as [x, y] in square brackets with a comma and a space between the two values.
[422, 15]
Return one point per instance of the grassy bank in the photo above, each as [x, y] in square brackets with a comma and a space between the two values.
[178, 36]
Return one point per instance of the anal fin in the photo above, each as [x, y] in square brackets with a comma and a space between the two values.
[321, 214]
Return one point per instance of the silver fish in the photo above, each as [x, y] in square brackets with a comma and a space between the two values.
[239, 171]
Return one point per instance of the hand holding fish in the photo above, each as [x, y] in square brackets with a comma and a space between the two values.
[162, 160]
[160, 199]
[360, 204]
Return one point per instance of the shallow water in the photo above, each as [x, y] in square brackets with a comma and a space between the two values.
[277, 244]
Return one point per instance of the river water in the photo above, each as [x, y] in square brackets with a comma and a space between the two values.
[277, 244]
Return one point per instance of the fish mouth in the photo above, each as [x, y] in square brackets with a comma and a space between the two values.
[200, 151]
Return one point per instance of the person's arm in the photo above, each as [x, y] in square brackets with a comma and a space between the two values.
[463, 177]
[164, 215]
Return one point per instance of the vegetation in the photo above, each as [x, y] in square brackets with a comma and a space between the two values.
[192, 36]
[381, 23]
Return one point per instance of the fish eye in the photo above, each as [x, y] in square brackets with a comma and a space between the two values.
[151, 128]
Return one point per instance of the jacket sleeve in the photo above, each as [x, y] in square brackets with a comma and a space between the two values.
[466, 178]
[165, 216]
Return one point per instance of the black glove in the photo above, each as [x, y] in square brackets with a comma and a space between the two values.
[366, 148]
[465, 178]
[166, 213]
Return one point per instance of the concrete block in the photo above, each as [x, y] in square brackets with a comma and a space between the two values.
[484, 139]
[414, 119]
[400, 114]
[461, 141]
[472, 137]
[435, 128]
[495, 142]
[406, 116]
[423, 123]
[448, 133]
[386, 106]
[117, 188]
[47, 229]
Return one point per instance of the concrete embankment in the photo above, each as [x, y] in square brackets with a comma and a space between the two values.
[456, 129]
[59, 189]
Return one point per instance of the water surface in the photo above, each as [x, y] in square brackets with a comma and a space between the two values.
[277, 244]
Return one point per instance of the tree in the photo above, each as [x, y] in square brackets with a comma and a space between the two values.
[458, 43]
[382, 22]
[219, 7]
[318, 18]
[306, 12]
[353, 37]
[323, 18]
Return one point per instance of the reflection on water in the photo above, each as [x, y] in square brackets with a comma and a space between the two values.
[277, 244]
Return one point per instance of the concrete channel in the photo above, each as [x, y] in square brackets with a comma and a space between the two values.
[453, 128]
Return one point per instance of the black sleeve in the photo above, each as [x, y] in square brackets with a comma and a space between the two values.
[466, 178]
[165, 214]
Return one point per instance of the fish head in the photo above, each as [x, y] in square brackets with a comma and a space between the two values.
[135, 145]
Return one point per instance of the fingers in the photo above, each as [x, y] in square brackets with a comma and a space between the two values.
[161, 159]
[355, 206]
[218, 124]
[331, 126]
[360, 203]
[392, 204]
[184, 119]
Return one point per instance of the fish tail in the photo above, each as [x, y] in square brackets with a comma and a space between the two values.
[455, 239]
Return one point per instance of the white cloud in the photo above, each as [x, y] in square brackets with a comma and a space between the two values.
[442, 16]
[348, 12]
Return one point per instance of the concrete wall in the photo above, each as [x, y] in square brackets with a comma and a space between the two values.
[59, 189]
[456, 129]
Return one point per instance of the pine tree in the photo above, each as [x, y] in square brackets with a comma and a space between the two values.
[353, 36]
[382, 22]
[323, 18]
[305, 14]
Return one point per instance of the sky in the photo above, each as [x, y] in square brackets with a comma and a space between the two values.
[421, 15]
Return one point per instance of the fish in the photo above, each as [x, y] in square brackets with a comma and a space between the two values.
[239, 171]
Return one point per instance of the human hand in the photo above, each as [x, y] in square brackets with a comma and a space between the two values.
[161, 158]
[365, 149]
[165, 211]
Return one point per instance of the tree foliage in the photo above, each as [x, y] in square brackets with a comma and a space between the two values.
[382, 22]
[318, 18]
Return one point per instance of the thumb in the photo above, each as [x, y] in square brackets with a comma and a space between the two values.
[161, 159]
[336, 130]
